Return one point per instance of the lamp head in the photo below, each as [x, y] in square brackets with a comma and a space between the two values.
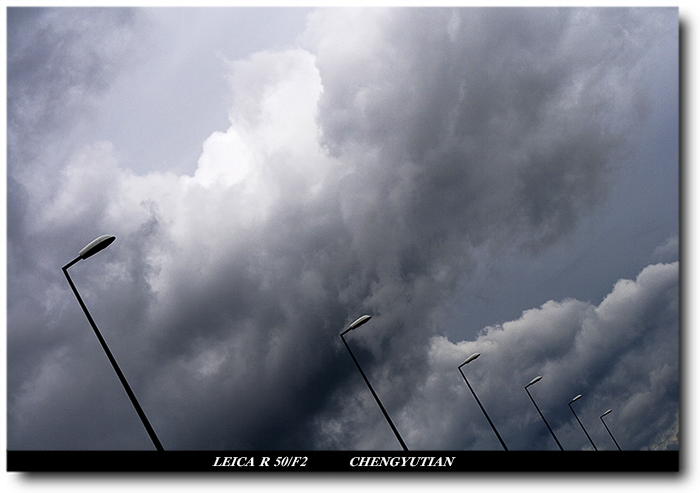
[471, 358]
[606, 413]
[95, 246]
[534, 380]
[362, 320]
[575, 398]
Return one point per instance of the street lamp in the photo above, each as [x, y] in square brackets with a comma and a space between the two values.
[534, 381]
[579, 421]
[91, 249]
[469, 360]
[360, 321]
[606, 427]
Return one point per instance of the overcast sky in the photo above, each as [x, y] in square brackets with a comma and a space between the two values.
[502, 181]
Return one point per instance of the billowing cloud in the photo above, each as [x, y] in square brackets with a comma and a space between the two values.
[359, 173]
[620, 354]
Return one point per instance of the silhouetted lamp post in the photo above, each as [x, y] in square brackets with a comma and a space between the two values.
[534, 381]
[579, 421]
[606, 427]
[91, 249]
[362, 320]
[469, 360]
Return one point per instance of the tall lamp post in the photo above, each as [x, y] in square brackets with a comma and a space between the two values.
[579, 421]
[362, 320]
[91, 249]
[469, 360]
[534, 381]
[606, 427]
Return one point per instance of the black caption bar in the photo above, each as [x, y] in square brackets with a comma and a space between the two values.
[342, 461]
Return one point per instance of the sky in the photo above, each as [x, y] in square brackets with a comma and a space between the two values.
[500, 181]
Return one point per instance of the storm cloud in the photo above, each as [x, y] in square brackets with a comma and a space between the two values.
[619, 354]
[369, 167]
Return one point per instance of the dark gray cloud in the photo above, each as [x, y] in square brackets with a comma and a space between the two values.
[369, 170]
[619, 354]
[511, 125]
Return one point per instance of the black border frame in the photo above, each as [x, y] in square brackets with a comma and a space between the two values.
[342, 461]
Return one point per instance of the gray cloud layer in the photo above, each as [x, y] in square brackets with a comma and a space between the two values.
[360, 172]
